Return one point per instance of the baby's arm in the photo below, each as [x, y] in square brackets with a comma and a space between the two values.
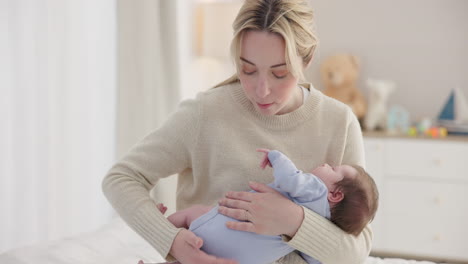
[185, 217]
[302, 186]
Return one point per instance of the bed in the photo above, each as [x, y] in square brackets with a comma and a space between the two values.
[114, 243]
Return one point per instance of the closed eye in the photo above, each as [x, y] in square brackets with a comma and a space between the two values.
[248, 73]
[279, 77]
[280, 73]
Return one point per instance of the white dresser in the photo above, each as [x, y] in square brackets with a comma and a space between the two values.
[423, 186]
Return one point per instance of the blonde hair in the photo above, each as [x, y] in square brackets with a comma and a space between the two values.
[291, 19]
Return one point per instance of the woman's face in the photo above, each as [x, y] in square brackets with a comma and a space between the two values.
[264, 76]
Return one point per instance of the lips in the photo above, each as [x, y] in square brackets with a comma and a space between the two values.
[264, 106]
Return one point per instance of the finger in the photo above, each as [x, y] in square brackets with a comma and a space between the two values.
[239, 214]
[193, 240]
[196, 255]
[263, 150]
[267, 160]
[235, 204]
[161, 208]
[241, 226]
[261, 188]
[244, 196]
[141, 262]
[209, 259]
[225, 261]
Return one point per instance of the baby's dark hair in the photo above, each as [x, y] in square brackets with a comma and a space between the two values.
[360, 202]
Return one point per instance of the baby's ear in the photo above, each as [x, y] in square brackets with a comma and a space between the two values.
[335, 196]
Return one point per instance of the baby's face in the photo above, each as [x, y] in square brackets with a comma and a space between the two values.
[331, 175]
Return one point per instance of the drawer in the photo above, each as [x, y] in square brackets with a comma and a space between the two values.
[427, 219]
[374, 150]
[426, 159]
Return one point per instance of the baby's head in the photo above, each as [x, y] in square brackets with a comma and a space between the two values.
[352, 195]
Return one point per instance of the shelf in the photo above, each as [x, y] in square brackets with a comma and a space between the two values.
[380, 134]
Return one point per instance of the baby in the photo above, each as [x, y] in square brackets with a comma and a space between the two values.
[345, 194]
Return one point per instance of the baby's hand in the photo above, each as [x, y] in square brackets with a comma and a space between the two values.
[161, 208]
[265, 160]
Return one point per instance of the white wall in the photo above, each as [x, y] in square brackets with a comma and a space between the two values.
[422, 45]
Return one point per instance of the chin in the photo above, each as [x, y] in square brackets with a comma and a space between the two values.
[267, 112]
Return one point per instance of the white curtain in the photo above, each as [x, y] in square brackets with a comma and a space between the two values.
[57, 114]
[154, 50]
[148, 80]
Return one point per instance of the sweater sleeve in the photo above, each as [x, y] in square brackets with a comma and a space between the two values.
[164, 152]
[281, 163]
[320, 238]
[303, 187]
[354, 149]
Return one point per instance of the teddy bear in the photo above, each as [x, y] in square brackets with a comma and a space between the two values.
[339, 74]
[378, 93]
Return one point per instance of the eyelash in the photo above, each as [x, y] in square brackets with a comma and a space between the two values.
[277, 77]
[280, 77]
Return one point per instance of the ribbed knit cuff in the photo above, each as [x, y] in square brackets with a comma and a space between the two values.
[155, 229]
[316, 237]
[292, 258]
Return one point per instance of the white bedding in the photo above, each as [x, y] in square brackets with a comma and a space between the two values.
[115, 243]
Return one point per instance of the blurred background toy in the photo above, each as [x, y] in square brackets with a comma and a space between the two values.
[424, 125]
[454, 114]
[436, 132]
[378, 93]
[412, 131]
[398, 120]
[340, 73]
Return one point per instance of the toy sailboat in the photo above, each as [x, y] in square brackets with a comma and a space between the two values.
[454, 114]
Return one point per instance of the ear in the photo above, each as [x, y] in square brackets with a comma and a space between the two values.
[335, 196]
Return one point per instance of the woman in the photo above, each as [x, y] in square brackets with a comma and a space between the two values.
[210, 143]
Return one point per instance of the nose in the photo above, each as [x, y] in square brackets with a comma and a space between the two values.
[263, 89]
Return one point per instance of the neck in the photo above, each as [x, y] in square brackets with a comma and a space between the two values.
[295, 102]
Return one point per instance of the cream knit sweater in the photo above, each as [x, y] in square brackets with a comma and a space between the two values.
[210, 143]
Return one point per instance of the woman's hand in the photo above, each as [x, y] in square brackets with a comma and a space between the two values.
[186, 249]
[267, 212]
